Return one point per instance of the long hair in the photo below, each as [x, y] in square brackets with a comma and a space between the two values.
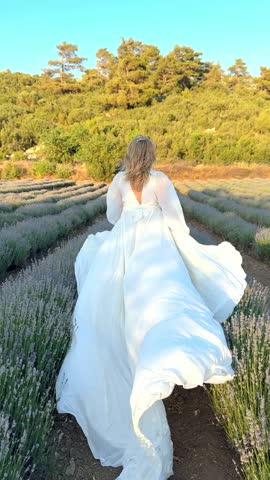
[138, 161]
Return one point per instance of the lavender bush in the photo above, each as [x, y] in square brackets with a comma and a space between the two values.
[243, 405]
[228, 224]
[21, 241]
[10, 202]
[38, 208]
[35, 322]
[260, 216]
[11, 186]
[253, 193]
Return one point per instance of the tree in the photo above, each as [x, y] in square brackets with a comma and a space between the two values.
[263, 82]
[132, 82]
[239, 75]
[181, 68]
[69, 60]
[214, 78]
[106, 62]
[93, 79]
[239, 68]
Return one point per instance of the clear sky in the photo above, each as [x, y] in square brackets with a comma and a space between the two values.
[221, 30]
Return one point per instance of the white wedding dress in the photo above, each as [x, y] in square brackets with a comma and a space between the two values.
[151, 300]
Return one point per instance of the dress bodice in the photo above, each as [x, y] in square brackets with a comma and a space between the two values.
[157, 193]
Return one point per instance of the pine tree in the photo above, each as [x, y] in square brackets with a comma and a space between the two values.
[181, 68]
[131, 74]
[263, 82]
[239, 68]
[68, 61]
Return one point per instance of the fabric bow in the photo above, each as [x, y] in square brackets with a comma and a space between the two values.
[137, 213]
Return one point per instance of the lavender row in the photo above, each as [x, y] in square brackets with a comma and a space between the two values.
[230, 226]
[39, 209]
[260, 216]
[242, 193]
[49, 184]
[11, 202]
[39, 193]
[242, 406]
[21, 241]
[35, 327]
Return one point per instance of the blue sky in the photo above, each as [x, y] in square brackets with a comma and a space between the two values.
[221, 30]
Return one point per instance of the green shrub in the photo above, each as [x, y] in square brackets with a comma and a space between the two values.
[63, 171]
[43, 167]
[99, 170]
[18, 155]
[2, 156]
[11, 170]
[101, 153]
[60, 146]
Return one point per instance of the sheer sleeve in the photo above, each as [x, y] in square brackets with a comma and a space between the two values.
[170, 203]
[114, 201]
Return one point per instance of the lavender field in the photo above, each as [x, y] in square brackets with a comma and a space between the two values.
[36, 308]
[35, 215]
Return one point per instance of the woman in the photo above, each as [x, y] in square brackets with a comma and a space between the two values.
[151, 300]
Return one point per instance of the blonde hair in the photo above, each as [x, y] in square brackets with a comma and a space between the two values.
[138, 161]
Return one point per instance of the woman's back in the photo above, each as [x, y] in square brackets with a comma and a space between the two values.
[148, 193]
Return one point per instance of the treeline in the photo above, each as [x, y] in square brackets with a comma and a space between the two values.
[192, 109]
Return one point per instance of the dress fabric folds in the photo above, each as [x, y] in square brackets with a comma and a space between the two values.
[151, 301]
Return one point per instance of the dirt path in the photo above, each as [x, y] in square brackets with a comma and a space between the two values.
[201, 450]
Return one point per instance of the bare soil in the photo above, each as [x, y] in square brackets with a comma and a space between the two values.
[183, 171]
[201, 450]
[176, 170]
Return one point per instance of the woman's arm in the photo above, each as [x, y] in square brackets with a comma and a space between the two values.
[170, 203]
[114, 201]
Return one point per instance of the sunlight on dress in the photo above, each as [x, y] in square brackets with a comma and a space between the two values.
[151, 300]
